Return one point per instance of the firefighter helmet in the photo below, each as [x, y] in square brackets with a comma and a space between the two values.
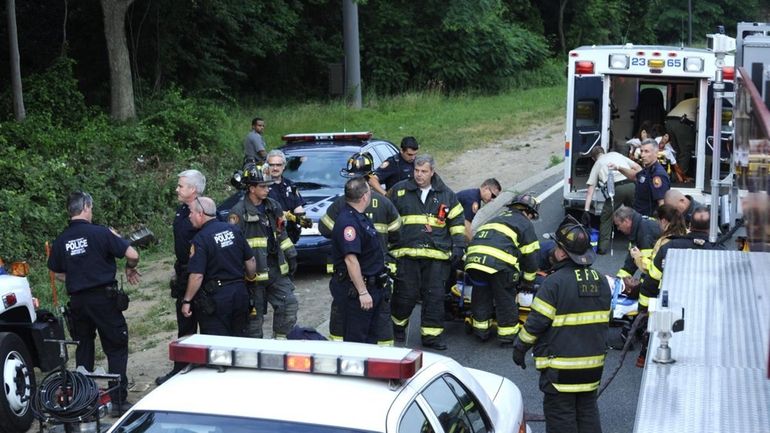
[359, 164]
[527, 203]
[254, 175]
[575, 240]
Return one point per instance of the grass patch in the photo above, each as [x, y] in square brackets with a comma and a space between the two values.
[442, 124]
[555, 160]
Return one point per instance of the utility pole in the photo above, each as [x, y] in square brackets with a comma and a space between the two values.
[352, 53]
[689, 20]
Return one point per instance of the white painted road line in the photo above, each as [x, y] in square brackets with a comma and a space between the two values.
[559, 185]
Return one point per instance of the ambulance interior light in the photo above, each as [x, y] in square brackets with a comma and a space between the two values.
[399, 367]
[693, 64]
[618, 61]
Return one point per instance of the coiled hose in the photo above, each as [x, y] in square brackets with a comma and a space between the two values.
[82, 400]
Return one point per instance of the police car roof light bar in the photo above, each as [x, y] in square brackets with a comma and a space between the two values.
[403, 365]
[327, 136]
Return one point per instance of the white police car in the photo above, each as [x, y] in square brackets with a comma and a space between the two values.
[253, 385]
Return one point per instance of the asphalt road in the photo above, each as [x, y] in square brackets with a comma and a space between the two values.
[617, 404]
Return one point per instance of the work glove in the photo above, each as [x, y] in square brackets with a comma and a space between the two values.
[457, 257]
[518, 358]
[292, 266]
[585, 219]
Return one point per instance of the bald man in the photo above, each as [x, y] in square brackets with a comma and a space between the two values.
[685, 204]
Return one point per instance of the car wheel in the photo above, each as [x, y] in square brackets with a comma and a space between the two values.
[18, 378]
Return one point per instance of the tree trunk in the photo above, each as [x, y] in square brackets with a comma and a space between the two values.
[562, 7]
[121, 84]
[13, 49]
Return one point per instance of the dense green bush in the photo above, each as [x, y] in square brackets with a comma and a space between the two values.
[128, 168]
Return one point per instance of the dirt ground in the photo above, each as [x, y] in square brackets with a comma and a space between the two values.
[511, 161]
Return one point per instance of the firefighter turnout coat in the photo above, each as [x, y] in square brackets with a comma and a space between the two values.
[429, 230]
[645, 231]
[506, 243]
[650, 287]
[268, 237]
[568, 327]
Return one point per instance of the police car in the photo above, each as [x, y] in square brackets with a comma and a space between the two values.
[255, 385]
[313, 163]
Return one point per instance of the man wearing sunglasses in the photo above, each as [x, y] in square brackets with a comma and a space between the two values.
[472, 200]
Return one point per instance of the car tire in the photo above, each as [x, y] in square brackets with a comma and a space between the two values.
[17, 375]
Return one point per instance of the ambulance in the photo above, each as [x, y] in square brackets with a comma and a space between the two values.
[614, 91]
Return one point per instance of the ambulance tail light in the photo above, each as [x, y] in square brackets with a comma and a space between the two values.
[403, 364]
[728, 73]
[584, 67]
[693, 64]
[618, 61]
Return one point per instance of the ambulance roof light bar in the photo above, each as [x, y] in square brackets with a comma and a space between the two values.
[327, 136]
[402, 365]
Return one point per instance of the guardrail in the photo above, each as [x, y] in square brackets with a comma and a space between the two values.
[751, 118]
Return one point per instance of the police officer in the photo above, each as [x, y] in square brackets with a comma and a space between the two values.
[396, 168]
[642, 234]
[84, 257]
[651, 182]
[215, 288]
[286, 194]
[190, 185]
[261, 220]
[503, 253]
[386, 221]
[432, 237]
[568, 328]
[359, 280]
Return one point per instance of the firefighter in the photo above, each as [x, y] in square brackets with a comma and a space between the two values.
[432, 237]
[396, 168]
[261, 220]
[642, 234]
[220, 258]
[287, 195]
[697, 239]
[386, 221]
[360, 283]
[568, 327]
[502, 255]
[83, 256]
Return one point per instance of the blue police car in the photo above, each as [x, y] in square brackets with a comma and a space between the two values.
[313, 163]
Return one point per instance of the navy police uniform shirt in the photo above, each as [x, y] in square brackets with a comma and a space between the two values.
[286, 194]
[651, 185]
[471, 201]
[86, 252]
[184, 232]
[394, 170]
[218, 252]
[354, 233]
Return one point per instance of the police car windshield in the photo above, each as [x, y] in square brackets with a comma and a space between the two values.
[167, 422]
[317, 168]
